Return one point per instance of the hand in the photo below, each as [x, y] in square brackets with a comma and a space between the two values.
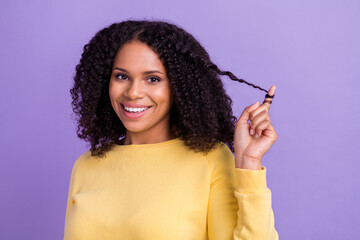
[254, 134]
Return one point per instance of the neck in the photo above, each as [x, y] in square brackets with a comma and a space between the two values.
[147, 137]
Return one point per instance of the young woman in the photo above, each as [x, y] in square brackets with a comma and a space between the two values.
[162, 133]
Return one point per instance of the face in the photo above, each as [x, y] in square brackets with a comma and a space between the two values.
[140, 92]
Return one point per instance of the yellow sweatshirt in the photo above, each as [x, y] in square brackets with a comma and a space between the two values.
[167, 191]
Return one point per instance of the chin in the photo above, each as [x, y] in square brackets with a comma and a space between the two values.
[133, 127]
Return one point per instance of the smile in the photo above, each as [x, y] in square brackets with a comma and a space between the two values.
[135, 110]
[133, 113]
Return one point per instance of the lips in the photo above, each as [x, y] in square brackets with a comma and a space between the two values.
[134, 115]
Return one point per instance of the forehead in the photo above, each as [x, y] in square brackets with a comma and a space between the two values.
[136, 56]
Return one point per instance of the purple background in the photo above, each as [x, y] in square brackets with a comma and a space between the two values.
[309, 49]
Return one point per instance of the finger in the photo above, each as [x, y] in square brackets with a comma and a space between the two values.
[259, 118]
[245, 116]
[268, 100]
[270, 132]
[260, 109]
[263, 116]
[261, 127]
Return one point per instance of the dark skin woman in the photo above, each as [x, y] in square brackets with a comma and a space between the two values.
[163, 137]
[198, 100]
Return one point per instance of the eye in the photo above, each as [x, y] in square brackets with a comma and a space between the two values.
[154, 79]
[121, 76]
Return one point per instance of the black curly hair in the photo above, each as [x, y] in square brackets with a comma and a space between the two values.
[201, 113]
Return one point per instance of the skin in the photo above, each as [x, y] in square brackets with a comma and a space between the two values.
[130, 83]
[254, 133]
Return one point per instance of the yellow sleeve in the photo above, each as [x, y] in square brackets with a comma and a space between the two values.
[72, 183]
[71, 186]
[239, 202]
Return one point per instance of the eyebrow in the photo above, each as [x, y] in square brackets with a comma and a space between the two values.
[146, 72]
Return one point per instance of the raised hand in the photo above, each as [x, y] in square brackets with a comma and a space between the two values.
[254, 134]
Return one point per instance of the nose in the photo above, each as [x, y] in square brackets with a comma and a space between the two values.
[135, 89]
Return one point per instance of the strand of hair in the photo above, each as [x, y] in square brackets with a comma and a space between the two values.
[234, 78]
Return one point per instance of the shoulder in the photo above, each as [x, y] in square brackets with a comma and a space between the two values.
[220, 157]
[81, 161]
[220, 151]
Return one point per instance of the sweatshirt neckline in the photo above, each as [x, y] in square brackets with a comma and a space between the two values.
[146, 145]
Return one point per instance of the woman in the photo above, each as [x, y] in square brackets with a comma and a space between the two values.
[162, 135]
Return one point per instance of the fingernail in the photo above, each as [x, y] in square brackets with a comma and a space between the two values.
[251, 131]
[253, 107]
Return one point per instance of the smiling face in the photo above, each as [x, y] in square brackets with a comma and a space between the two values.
[140, 91]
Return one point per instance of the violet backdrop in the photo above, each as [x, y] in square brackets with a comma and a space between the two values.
[309, 49]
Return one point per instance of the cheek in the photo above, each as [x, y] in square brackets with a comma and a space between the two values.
[113, 94]
[114, 90]
[111, 89]
[162, 96]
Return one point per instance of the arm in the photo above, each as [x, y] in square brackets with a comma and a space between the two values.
[72, 187]
[255, 213]
[239, 202]
[245, 178]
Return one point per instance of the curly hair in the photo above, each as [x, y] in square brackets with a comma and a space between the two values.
[201, 114]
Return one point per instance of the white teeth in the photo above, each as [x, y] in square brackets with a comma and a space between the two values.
[129, 109]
